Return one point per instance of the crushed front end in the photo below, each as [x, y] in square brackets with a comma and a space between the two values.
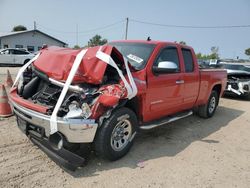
[95, 90]
[239, 84]
[238, 78]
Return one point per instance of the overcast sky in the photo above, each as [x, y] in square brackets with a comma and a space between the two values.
[60, 18]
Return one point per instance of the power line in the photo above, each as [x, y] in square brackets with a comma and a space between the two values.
[126, 32]
[84, 31]
[103, 27]
[191, 26]
[55, 30]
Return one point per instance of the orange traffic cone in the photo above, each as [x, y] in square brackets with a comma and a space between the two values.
[9, 81]
[5, 108]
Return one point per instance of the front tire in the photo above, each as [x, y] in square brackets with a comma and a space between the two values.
[207, 110]
[115, 137]
[246, 96]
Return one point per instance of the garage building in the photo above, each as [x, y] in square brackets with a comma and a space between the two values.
[32, 40]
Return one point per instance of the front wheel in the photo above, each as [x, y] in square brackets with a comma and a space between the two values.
[115, 137]
[246, 96]
[207, 110]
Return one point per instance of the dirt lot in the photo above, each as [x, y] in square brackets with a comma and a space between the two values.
[192, 152]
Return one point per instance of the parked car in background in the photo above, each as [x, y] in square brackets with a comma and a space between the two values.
[208, 63]
[203, 63]
[238, 75]
[15, 56]
[214, 62]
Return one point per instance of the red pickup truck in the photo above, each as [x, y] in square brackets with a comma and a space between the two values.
[103, 95]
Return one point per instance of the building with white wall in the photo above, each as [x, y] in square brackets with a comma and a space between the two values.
[32, 40]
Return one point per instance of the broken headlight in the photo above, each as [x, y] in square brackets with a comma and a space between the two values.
[75, 111]
[86, 112]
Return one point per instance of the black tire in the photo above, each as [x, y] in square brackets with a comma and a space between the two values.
[108, 137]
[207, 110]
[26, 61]
[246, 96]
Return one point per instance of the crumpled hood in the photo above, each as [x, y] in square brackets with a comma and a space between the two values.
[56, 63]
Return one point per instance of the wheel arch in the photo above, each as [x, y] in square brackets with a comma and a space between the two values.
[217, 88]
[26, 61]
[134, 105]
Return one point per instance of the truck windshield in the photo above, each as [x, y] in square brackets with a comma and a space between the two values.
[136, 53]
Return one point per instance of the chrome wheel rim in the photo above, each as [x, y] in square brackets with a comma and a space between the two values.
[121, 135]
[212, 105]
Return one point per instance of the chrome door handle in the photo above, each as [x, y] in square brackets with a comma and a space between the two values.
[179, 82]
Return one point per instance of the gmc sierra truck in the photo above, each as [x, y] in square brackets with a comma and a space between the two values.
[102, 96]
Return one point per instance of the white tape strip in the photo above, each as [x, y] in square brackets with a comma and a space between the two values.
[23, 68]
[132, 91]
[53, 118]
[131, 79]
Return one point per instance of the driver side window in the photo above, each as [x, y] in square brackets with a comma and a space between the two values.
[168, 54]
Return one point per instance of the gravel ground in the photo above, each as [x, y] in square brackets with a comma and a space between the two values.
[191, 152]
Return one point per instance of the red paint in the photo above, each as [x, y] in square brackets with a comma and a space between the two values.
[56, 62]
[27, 104]
[97, 110]
[111, 95]
[163, 96]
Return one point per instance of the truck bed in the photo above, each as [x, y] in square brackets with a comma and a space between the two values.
[208, 76]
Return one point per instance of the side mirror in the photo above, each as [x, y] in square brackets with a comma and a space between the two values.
[165, 67]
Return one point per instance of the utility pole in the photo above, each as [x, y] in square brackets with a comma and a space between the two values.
[77, 34]
[34, 25]
[126, 34]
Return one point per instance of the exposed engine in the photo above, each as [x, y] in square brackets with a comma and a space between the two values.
[80, 100]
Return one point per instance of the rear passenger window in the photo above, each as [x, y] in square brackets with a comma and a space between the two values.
[169, 54]
[20, 52]
[188, 60]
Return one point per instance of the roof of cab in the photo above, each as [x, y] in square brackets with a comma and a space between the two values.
[156, 42]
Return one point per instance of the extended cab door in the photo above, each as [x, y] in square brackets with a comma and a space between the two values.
[191, 78]
[164, 94]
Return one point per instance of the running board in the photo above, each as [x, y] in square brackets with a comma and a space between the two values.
[164, 121]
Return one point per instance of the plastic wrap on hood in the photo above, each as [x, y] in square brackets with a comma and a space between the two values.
[56, 62]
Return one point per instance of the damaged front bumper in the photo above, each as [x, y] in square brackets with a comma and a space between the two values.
[238, 87]
[74, 130]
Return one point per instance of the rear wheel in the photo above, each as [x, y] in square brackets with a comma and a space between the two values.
[115, 137]
[207, 110]
[26, 61]
[246, 96]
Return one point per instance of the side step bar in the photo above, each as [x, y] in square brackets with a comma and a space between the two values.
[166, 120]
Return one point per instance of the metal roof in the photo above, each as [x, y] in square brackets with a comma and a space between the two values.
[28, 31]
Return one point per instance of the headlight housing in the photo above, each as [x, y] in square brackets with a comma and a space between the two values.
[86, 111]
[76, 112]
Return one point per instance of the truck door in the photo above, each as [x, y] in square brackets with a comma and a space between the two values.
[165, 90]
[191, 78]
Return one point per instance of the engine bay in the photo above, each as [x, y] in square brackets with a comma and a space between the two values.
[82, 100]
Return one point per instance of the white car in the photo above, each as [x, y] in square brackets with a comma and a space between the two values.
[15, 56]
